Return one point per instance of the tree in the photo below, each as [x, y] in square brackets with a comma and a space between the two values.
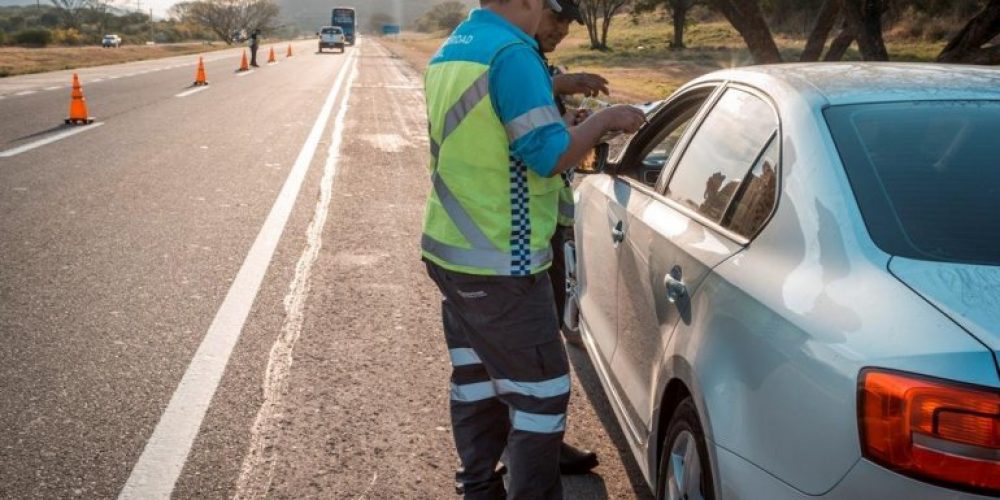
[225, 17]
[748, 19]
[443, 16]
[70, 10]
[378, 20]
[677, 9]
[600, 11]
[967, 45]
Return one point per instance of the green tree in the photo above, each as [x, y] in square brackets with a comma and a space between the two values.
[677, 9]
[443, 16]
[597, 15]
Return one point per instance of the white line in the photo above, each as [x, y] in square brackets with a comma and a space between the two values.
[49, 140]
[163, 458]
[192, 91]
[245, 73]
[26, 92]
[258, 465]
[54, 87]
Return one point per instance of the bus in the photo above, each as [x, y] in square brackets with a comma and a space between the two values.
[345, 18]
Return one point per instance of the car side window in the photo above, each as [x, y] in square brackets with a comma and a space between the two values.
[726, 145]
[647, 166]
[755, 199]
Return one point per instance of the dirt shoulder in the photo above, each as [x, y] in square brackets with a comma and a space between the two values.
[23, 61]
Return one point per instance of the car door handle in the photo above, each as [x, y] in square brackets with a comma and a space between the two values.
[618, 232]
[676, 289]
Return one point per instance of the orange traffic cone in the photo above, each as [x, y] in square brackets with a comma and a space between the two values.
[244, 65]
[199, 76]
[270, 57]
[78, 105]
[289, 54]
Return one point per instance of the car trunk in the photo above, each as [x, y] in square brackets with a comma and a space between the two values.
[969, 294]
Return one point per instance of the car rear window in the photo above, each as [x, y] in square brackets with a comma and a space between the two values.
[926, 176]
[331, 31]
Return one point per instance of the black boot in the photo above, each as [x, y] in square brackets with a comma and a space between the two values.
[573, 460]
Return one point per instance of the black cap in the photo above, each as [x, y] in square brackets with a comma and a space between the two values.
[570, 9]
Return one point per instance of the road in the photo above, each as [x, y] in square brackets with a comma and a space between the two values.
[218, 294]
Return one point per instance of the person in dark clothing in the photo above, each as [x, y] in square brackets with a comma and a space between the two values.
[254, 45]
[551, 31]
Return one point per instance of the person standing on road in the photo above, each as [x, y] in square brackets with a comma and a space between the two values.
[486, 243]
[551, 32]
[254, 45]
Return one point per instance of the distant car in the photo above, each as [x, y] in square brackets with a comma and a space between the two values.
[331, 37]
[111, 41]
[789, 283]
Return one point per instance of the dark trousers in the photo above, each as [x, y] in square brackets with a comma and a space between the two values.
[509, 384]
[253, 55]
[557, 273]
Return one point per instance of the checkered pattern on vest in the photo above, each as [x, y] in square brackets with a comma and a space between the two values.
[520, 232]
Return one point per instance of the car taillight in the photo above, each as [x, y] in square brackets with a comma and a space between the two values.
[936, 430]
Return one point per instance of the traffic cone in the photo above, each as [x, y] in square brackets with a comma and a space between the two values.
[289, 54]
[78, 105]
[199, 76]
[244, 65]
[270, 57]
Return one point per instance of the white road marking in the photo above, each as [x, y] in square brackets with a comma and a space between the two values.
[26, 92]
[257, 472]
[245, 73]
[192, 91]
[163, 458]
[54, 87]
[49, 140]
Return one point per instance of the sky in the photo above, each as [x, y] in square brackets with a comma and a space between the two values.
[159, 6]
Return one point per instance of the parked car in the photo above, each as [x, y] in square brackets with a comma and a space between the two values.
[111, 41]
[789, 283]
[331, 37]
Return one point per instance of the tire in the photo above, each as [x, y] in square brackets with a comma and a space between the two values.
[684, 455]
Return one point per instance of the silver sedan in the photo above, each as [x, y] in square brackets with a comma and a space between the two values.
[789, 283]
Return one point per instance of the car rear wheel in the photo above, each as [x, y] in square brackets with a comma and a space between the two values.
[685, 473]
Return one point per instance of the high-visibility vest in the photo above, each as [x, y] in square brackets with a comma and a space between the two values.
[486, 214]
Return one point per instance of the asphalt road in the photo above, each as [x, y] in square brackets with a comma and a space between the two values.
[220, 295]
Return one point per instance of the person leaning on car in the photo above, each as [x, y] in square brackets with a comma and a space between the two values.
[486, 243]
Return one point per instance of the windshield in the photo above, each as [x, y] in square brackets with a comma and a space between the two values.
[331, 31]
[926, 175]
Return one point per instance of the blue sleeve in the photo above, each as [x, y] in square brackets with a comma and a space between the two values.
[521, 91]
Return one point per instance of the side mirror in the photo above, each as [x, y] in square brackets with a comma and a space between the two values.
[596, 161]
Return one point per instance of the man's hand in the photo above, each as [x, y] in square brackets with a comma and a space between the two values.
[587, 84]
[621, 118]
[574, 117]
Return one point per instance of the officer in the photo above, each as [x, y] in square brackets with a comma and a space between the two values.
[551, 32]
[486, 243]
[254, 44]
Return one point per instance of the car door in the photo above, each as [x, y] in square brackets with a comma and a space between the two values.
[678, 232]
[601, 218]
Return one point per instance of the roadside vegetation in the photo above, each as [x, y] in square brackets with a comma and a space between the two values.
[67, 34]
[646, 58]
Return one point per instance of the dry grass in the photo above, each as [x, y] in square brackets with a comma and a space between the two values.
[20, 61]
[641, 66]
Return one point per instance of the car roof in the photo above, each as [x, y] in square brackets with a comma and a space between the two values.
[865, 82]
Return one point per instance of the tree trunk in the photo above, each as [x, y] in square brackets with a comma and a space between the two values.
[605, 26]
[747, 18]
[679, 8]
[589, 9]
[967, 45]
[840, 44]
[866, 18]
[821, 30]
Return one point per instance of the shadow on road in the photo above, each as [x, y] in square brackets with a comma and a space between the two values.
[592, 486]
[57, 128]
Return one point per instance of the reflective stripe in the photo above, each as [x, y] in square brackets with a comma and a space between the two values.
[463, 356]
[537, 422]
[537, 117]
[468, 100]
[435, 149]
[497, 261]
[468, 393]
[545, 389]
[459, 216]
[566, 209]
